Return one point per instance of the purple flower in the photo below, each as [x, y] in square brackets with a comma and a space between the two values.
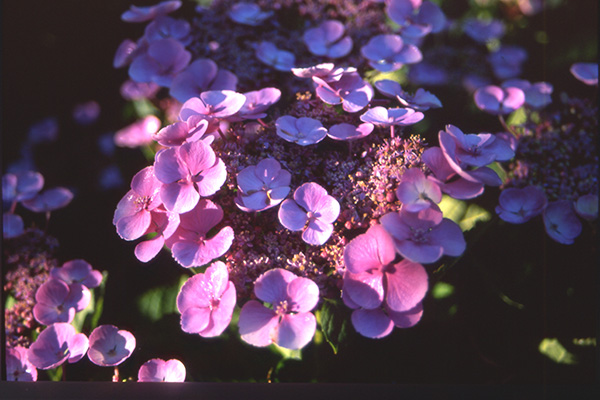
[18, 366]
[86, 113]
[416, 191]
[21, 185]
[213, 106]
[78, 272]
[157, 370]
[416, 18]
[160, 62]
[178, 133]
[57, 301]
[387, 117]
[482, 31]
[270, 55]
[499, 101]
[12, 225]
[262, 186]
[586, 73]
[132, 217]
[127, 51]
[520, 205]
[350, 90]
[312, 211]
[389, 52]
[422, 100]
[188, 172]
[49, 200]
[561, 222]
[200, 76]
[164, 223]
[346, 131]
[328, 40]
[206, 301]
[379, 322]
[326, 72]
[166, 27]
[424, 236]
[56, 344]
[537, 95]
[138, 134]
[143, 14]
[248, 14]
[44, 131]
[131, 90]
[303, 131]
[586, 206]
[506, 61]
[110, 346]
[190, 244]
[289, 323]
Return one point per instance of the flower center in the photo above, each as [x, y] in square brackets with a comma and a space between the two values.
[281, 308]
[142, 202]
[213, 304]
[420, 235]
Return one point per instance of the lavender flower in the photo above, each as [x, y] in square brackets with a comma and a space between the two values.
[303, 131]
[350, 90]
[507, 60]
[561, 222]
[328, 40]
[140, 133]
[520, 205]
[56, 344]
[18, 366]
[200, 76]
[586, 206]
[78, 271]
[157, 370]
[143, 14]
[56, 301]
[389, 52]
[388, 117]
[346, 131]
[270, 55]
[49, 200]
[586, 73]
[12, 225]
[110, 346]
[537, 95]
[262, 186]
[160, 62]
[417, 192]
[499, 101]
[248, 14]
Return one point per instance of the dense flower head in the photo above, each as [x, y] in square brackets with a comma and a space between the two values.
[586, 73]
[328, 40]
[520, 205]
[262, 186]
[389, 53]
[18, 366]
[206, 301]
[200, 76]
[303, 131]
[110, 346]
[289, 323]
[56, 344]
[158, 370]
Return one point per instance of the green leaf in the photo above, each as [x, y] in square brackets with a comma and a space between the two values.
[80, 317]
[10, 301]
[517, 117]
[452, 208]
[499, 170]
[333, 318]
[99, 302]
[473, 215]
[441, 290]
[160, 301]
[55, 374]
[144, 107]
[552, 349]
[287, 354]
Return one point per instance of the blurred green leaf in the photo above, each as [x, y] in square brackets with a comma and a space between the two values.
[80, 317]
[441, 290]
[55, 374]
[160, 301]
[287, 354]
[452, 208]
[333, 318]
[10, 301]
[473, 215]
[144, 107]
[517, 117]
[552, 349]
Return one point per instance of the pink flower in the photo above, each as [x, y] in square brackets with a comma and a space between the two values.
[416, 191]
[349, 90]
[499, 101]
[110, 346]
[289, 323]
[328, 40]
[262, 186]
[206, 301]
[18, 366]
[200, 76]
[56, 344]
[157, 370]
[346, 131]
[58, 302]
[140, 133]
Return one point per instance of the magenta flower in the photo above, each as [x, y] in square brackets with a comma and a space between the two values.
[188, 172]
[312, 211]
[49, 200]
[138, 134]
[350, 90]
[56, 301]
[18, 366]
[262, 186]
[160, 62]
[270, 55]
[520, 205]
[190, 244]
[289, 323]
[346, 131]
[78, 272]
[12, 225]
[206, 301]
[56, 344]
[388, 117]
[586, 206]
[499, 101]
[110, 346]
[200, 76]
[157, 370]
[416, 191]
[328, 40]
[561, 222]
[132, 217]
[424, 236]
[143, 14]
[586, 73]
[303, 131]
[248, 14]
[537, 95]
[389, 52]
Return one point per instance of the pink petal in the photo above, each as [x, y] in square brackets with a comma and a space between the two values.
[317, 232]
[292, 216]
[364, 289]
[304, 294]
[407, 319]
[272, 286]
[407, 283]
[258, 324]
[147, 250]
[179, 197]
[221, 316]
[132, 227]
[369, 251]
[194, 319]
[296, 330]
[373, 324]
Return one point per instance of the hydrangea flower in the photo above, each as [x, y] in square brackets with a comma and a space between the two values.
[213, 106]
[506, 61]
[270, 55]
[164, 224]
[127, 51]
[12, 225]
[350, 90]
[482, 31]
[586, 73]
[262, 186]
[303, 131]
[178, 133]
[56, 301]
[497, 100]
[190, 245]
[388, 117]
[110, 346]
[586, 206]
[160, 62]
[166, 27]
[143, 14]
[21, 186]
[422, 100]
[43, 131]
[327, 72]
[424, 236]
[49, 200]
[257, 102]
[561, 222]
[78, 272]
[158, 370]
[328, 40]
[56, 344]
[289, 323]
[200, 76]
[206, 301]
[346, 131]
[188, 172]
[18, 366]
[379, 322]
[537, 95]
[248, 14]
[417, 192]
[312, 211]
[138, 134]
[389, 52]
[520, 205]
[416, 18]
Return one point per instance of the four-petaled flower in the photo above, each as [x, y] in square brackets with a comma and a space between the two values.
[56, 344]
[262, 186]
[110, 346]
[520, 205]
[303, 130]
[389, 52]
[497, 100]
[18, 366]
[328, 40]
[158, 370]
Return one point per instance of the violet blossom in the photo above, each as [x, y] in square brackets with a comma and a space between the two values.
[537, 95]
[520, 205]
[350, 90]
[206, 301]
[21, 186]
[262, 186]
[143, 14]
[417, 192]
[110, 346]
[257, 102]
[248, 14]
[389, 52]
[328, 40]
[78, 271]
[213, 106]
[270, 55]
[507, 60]
[200, 76]
[416, 18]
[483, 31]
[178, 133]
[422, 100]
[388, 117]
[166, 27]
[303, 131]
[346, 131]
[131, 90]
[289, 323]
[140, 133]
[561, 222]
[56, 344]
[586, 73]
[49, 200]
[499, 100]
[312, 211]
[12, 225]
[57, 301]
[326, 72]
[586, 206]
[158, 370]
[160, 62]
[164, 224]
[18, 366]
